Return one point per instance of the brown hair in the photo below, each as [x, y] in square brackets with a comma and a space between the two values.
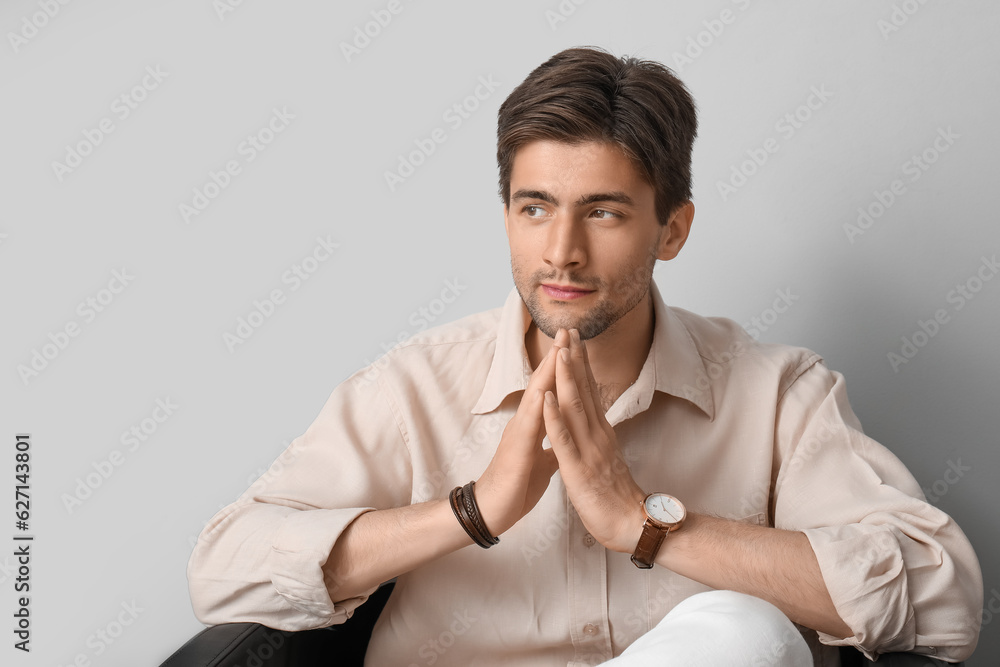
[587, 94]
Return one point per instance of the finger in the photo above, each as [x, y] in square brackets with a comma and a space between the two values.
[562, 338]
[562, 441]
[529, 412]
[543, 377]
[571, 406]
[530, 424]
[586, 385]
[601, 418]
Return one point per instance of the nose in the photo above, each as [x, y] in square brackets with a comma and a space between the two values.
[565, 245]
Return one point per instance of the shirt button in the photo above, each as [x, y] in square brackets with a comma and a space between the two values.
[589, 541]
[590, 629]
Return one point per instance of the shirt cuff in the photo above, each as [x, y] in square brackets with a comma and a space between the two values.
[863, 569]
[301, 547]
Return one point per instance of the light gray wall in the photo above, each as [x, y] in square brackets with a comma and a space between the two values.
[894, 76]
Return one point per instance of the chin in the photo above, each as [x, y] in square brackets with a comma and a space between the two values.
[589, 327]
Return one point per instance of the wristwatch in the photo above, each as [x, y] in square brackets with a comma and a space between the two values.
[664, 514]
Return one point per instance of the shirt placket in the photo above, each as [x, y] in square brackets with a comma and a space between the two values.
[587, 568]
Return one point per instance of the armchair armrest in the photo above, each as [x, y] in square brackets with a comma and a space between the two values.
[852, 658]
[255, 645]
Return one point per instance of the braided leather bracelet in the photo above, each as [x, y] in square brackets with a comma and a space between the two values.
[458, 509]
[463, 504]
[469, 496]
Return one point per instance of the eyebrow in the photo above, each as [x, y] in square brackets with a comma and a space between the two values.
[616, 196]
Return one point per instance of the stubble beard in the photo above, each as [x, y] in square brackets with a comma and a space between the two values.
[602, 316]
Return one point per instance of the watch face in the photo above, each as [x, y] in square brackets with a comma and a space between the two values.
[664, 508]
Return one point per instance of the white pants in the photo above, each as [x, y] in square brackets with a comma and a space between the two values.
[719, 629]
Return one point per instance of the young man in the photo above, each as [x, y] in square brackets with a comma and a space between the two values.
[689, 457]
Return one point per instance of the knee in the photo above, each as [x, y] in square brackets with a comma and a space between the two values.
[741, 620]
[745, 608]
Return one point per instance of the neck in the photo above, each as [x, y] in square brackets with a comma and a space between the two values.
[616, 355]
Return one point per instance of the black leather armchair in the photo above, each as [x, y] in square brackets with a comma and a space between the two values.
[254, 645]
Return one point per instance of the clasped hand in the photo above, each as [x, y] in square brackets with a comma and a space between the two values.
[561, 400]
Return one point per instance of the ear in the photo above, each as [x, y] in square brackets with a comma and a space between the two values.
[506, 224]
[676, 231]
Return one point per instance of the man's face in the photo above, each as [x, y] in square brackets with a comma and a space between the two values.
[583, 235]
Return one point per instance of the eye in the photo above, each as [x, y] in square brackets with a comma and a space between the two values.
[533, 211]
[602, 214]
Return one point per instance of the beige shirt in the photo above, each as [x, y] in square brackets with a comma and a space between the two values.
[757, 433]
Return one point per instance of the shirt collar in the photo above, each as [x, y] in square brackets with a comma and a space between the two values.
[673, 365]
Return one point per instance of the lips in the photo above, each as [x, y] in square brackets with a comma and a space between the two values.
[565, 292]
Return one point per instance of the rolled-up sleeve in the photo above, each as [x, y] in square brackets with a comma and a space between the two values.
[901, 573]
[261, 558]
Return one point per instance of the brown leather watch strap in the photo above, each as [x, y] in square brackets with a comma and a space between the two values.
[648, 546]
